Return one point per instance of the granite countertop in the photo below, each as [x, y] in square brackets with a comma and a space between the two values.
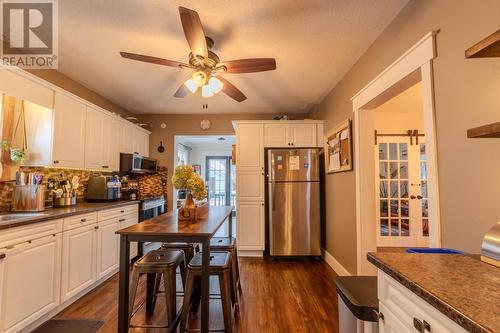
[461, 287]
[16, 219]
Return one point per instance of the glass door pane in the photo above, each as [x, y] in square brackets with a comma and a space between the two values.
[218, 180]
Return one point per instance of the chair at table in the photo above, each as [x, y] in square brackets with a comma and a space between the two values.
[162, 263]
[220, 265]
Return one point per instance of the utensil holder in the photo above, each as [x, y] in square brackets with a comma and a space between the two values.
[28, 198]
[65, 201]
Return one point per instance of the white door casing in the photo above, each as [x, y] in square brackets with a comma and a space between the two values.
[417, 59]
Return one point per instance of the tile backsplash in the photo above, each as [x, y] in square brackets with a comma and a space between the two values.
[6, 187]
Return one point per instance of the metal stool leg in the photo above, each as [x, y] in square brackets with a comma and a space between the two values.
[225, 291]
[187, 300]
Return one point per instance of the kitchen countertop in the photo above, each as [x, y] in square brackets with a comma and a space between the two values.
[25, 218]
[461, 287]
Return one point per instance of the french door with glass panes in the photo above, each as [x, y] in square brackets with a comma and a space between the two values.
[401, 192]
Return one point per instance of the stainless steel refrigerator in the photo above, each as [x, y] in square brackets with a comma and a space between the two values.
[293, 202]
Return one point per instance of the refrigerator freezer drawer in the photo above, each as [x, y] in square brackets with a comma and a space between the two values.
[294, 218]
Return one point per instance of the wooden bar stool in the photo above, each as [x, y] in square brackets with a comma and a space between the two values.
[229, 244]
[220, 265]
[161, 263]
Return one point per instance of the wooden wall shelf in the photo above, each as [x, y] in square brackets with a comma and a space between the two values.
[486, 48]
[486, 131]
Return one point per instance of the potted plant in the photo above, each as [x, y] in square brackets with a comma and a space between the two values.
[194, 207]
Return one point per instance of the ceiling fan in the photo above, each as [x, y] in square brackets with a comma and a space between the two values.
[205, 63]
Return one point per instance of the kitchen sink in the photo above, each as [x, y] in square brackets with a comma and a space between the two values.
[15, 216]
[432, 250]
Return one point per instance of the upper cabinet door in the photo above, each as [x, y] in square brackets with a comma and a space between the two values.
[111, 134]
[250, 147]
[126, 138]
[94, 139]
[303, 135]
[276, 135]
[69, 132]
[141, 142]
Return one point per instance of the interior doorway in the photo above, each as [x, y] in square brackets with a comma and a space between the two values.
[412, 68]
[210, 156]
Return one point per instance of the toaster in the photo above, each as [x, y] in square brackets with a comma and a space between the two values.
[104, 188]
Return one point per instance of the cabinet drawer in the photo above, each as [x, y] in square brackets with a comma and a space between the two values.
[406, 306]
[79, 220]
[128, 220]
[16, 235]
[117, 212]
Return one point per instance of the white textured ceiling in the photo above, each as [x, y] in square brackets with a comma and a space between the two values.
[314, 42]
[202, 140]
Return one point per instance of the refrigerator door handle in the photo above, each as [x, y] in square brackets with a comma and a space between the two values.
[271, 194]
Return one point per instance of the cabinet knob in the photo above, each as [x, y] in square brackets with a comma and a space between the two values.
[121, 220]
[55, 162]
[83, 220]
[419, 326]
[96, 227]
[105, 166]
[122, 211]
[419, 197]
[413, 197]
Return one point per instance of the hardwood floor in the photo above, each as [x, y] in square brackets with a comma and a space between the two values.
[278, 295]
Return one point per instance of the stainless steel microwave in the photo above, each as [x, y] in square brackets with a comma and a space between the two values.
[135, 163]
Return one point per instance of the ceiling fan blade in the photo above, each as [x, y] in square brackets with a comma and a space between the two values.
[182, 91]
[229, 89]
[193, 30]
[250, 65]
[153, 60]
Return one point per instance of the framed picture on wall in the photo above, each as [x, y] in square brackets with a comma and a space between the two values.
[197, 168]
[338, 148]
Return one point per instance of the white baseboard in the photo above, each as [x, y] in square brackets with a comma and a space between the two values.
[334, 264]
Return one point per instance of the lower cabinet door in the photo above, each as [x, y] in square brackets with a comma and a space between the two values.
[390, 323]
[78, 260]
[107, 247]
[250, 229]
[128, 221]
[30, 282]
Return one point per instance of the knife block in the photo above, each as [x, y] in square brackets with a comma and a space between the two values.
[28, 198]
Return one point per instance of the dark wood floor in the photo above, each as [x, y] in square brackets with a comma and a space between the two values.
[278, 296]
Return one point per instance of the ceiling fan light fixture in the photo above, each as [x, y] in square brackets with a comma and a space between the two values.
[206, 91]
[200, 78]
[215, 85]
[191, 85]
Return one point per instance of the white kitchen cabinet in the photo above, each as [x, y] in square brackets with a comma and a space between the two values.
[303, 135]
[141, 142]
[276, 135]
[401, 308]
[30, 282]
[128, 221]
[126, 138]
[94, 139]
[249, 147]
[111, 146]
[250, 231]
[78, 260]
[290, 134]
[107, 247]
[250, 185]
[101, 141]
[69, 132]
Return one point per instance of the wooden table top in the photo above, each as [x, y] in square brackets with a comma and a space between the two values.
[168, 224]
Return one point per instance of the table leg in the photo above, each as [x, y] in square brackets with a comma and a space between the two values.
[205, 286]
[230, 227]
[123, 285]
[150, 286]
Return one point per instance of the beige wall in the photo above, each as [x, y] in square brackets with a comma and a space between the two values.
[466, 95]
[189, 125]
[76, 88]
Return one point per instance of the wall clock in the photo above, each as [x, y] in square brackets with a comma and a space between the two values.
[205, 124]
